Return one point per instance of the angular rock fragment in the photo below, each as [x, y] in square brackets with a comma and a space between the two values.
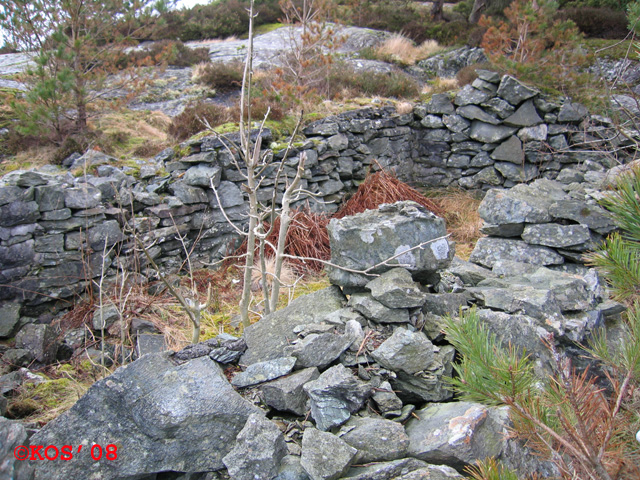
[287, 394]
[405, 351]
[263, 372]
[376, 440]
[376, 311]
[489, 250]
[259, 448]
[387, 401]
[325, 456]
[396, 289]
[335, 395]
[318, 350]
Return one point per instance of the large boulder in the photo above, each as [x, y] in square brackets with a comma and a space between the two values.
[388, 235]
[161, 416]
[14, 451]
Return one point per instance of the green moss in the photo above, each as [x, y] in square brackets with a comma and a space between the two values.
[267, 27]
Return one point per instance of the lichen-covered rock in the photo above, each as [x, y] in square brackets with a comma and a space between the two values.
[264, 371]
[393, 231]
[377, 440]
[287, 394]
[396, 289]
[325, 456]
[405, 351]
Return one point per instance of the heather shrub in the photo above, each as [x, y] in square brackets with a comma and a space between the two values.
[597, 22]
[169, 52]
[222, 77]
[190, 121]
[344, 81]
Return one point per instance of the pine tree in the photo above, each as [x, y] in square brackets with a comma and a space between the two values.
[75, 45]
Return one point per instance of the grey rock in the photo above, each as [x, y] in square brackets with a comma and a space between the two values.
[287, 394]
[517, 173]
[12, 193]
[513, 91]
[534, 134]
[147, 343]
[39, 340]
[202, 176]
[509, 151]
[104, 235]
[188, 194]
[428, 385]
[82, 197]
[469, 273]
[570, 175]
[230, 195]
[226, 348]
[17, 357]
[322, 127]
[440, 104]
[319, 350]
[104, 317]
[369, 238]
[487, 133]
[503, 230]
[92, 158]
[13, 435]
[499, 107]
[290, 469]
[572, 112]
[555, 235]
[488, 250]
[396, 289]
[455, 434]
[139, 326]
[163, 417]
[335, 395]
[473, 112]
[202, 157]
[9, 319]
[594, 217]
[525, 116]
[325, 456]
[405, 351]
[399, 469]
[49, 197]
[258, 450]
[443, 304]
[433, 121]
[353, 330]
[377, 440]
[263, 372]
[386, 400]
[18, 213]
[376, 311]
[468, 95]
[433, 472]
[338, 142]
[488, 176]
[268, 338]
[448, 64]
[3, 412]
[455, 123]
[488, 76]
[11, 382]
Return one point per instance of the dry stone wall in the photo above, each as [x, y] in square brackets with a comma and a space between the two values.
[59, 231]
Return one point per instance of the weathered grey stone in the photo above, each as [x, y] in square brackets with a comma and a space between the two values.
[322, 127]
[258, 450]
[377, 440]
[468, 95]
[534, 134]
[263, 372]
[487, 175]
[484, 85]
[268, 338]
[226, 348]
[456, 434]
[428, 385]
[329, 187]
[9, 319]
[13, 435]
[517, 173]
[39, 340]
[539, 304]
[402, 469]
[432, 121]
[188, 194]
[572, 112]
[455, 123]
[473, 112]
[371, 237]
[325, 456]
[487, 133]
[592, 216]
[104, 317]
[319, 350]
[12, 193]
[488, 250]
[82, 197]
[335, 395]
[163, 417]
[139, 325]
[203, 157]
[406, 351]
[509, 151]
[202, 176]
[498, 106]
[570, 175]
[338, 142]
[18, 213]
[396, 289]
[513, 91]
[376, 311]
[230, 195]
[443, 304]
[525, 116]
[92, 158]
[503, 230]
[286, 394]
[386, 400]
[290, 469]
[468, 272]
[147, 343]
[555, 235]
[17, 357]
[104, 235]
[49, 197]
[440, 104]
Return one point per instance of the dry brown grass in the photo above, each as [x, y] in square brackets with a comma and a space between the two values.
[440, 85]
[460, 212]
[403, 108]
[402, 50]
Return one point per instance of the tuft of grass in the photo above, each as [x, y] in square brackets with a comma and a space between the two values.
[440, 85]
[403, 51]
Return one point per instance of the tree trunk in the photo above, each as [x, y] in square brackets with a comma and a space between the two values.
[436, 10]
[479, 6]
